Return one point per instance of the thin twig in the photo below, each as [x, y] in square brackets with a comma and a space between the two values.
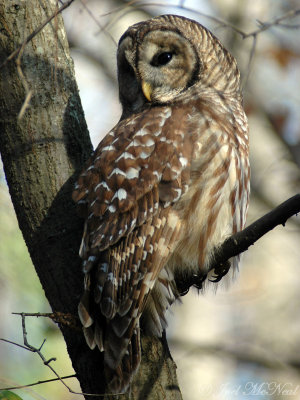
[29, 347]
[14, 343]
[28, 91]
[127, 10]
[264, 25]
[276, 21]
[38, 351]
[97, 22]
[38, 382]
[66, 319]
[250, 62]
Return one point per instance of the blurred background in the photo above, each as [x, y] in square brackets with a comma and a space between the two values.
[228, 344]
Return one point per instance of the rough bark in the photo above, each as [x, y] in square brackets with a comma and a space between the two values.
[42, 153]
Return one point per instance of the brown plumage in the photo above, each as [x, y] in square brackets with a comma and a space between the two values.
[164, 188]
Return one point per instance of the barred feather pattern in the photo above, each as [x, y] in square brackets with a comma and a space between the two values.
[162, 190]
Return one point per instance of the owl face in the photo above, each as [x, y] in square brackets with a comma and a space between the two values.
[166, 65]
[163, 65]
[163, 58]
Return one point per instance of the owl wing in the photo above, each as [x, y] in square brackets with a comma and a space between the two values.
[137, 172]
[144, 160]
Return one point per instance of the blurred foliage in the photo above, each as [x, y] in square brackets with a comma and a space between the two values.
[217, 340]
[7, 395]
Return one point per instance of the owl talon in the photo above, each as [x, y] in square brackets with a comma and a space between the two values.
[195, 281]
[220, 272]
[216, 278]
[184, 292]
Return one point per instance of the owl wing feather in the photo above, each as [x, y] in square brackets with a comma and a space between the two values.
[127, 190]
[128, 164]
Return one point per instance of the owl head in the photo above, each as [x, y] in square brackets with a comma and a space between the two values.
[171, 58]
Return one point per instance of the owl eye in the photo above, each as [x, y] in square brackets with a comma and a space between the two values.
[162, 59]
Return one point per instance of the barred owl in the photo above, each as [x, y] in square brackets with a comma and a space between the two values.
[165, 187]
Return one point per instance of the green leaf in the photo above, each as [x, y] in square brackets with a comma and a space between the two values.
[7, 395]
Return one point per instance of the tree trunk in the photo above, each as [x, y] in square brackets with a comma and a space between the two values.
[42, 153]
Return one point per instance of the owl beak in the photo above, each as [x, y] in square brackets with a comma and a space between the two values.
[147, 90]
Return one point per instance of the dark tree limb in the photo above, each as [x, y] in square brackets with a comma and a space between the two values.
[242, 240]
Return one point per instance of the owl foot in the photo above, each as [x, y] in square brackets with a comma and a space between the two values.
[220, 271]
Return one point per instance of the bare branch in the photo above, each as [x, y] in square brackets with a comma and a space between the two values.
[277, 21]
[242, 240]
[38, 351]
[66, 319]
[34, 383]
[27, 89]
[136, 3]
[29, 347]
[33, 349]
[250, 62]
[263, 25]
[97, 22]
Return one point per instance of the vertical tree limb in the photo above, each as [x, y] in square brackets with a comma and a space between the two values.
[41, 153]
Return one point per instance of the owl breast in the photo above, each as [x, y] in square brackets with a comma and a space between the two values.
[216, 202]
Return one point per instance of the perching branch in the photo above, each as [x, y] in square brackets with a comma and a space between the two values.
[242, 240]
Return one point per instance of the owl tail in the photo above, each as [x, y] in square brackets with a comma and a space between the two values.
[119, 373]
[122, 354]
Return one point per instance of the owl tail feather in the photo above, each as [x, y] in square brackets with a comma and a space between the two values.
[119, 377]
[122, 355]
[118, 373]
[84, 310]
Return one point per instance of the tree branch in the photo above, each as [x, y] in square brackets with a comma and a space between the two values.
[35, 383]
[242, 240]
